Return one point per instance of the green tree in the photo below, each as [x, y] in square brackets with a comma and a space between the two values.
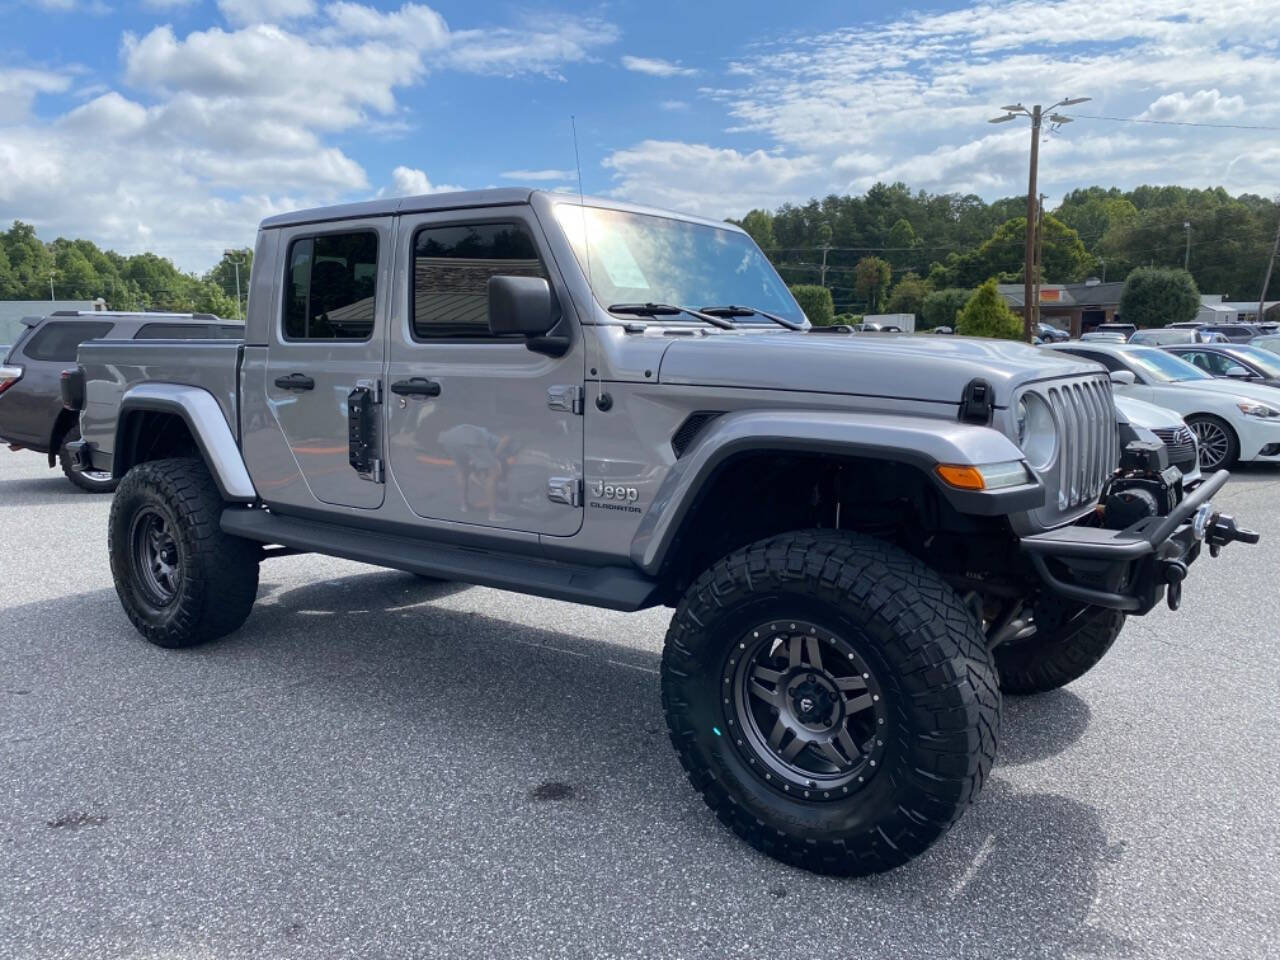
[902, 243]
[871, 281]
[1156, 297]
[907, 295]
[1003, 255]
[816, 303]
[759, 224]
[30, 262]
[987, 315]
[941, 307]
[223, 276]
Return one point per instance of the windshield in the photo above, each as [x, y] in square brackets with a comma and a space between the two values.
[1161, 367]
[639, 258]
[1266, 362]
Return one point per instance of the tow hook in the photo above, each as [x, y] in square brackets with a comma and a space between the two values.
[1222, 530]
[1175, 571]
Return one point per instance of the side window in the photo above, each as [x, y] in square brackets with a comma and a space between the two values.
[451, 270]
[189, 331]
[58, 341]
[329, 287]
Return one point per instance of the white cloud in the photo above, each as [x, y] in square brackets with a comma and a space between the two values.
[214, 129]
[908, 98]
[538, 175]
[1203, 105]
[168, 4]
[410, 182]
[244, 12]
[656, 67]
[674, 106]
[711, 181]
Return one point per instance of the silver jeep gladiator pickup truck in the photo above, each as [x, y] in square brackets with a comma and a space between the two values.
[866, 540]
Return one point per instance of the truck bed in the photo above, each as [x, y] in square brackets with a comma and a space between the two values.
[111, 367]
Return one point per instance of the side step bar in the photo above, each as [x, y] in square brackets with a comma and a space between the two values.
[617, 588]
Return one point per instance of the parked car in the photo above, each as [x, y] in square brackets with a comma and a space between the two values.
[1233, 361]
[1170, 429]
[1165, 336]
[1267, 341]
[944, 329]
[1104, 336]
[865, 539]
[1234, 332]
[1051, 334]
[1128, 329]
[31, 412]
[1232, 420]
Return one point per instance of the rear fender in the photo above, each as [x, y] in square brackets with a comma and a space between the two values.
[921, 442]
[209, 428]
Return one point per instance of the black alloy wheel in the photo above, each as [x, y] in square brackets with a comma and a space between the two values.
[157, 561]
[805, 710]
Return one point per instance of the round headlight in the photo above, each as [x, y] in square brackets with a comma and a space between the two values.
[1036, 435]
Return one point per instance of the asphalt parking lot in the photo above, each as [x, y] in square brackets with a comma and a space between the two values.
[377, 767]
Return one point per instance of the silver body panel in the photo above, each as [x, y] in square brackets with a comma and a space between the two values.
[890, 395]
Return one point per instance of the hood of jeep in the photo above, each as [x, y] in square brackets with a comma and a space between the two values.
[933, 368]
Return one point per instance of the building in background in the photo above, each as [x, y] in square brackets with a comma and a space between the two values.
[1074, 307]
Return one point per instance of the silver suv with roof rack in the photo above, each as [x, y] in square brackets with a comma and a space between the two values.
[866, 540]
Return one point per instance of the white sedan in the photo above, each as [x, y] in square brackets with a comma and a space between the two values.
[1231, 420]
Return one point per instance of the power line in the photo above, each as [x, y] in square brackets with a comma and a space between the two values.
[1173, 123]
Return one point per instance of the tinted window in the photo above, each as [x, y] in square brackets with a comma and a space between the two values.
[189, 331]
[58, 341]
[329, 287]
[451, 271]
[1108, 361]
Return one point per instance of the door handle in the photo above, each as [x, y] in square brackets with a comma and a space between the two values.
[416, 387]
[295, 381]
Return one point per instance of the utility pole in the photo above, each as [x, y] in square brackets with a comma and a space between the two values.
[822, 277]
[1039, 257]
[51, 296]
[1186, 260]
[1036, 113]
[235, 262]
[1266, 280]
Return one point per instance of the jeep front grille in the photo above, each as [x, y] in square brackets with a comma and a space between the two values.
[1089, 446]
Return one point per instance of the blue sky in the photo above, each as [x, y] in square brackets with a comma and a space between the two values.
[175, 125]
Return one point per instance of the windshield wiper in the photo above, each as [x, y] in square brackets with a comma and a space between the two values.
[670, 310]
[732, 310]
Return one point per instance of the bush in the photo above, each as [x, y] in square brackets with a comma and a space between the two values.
[848, 319]
[987, 315]
[940, 308]
[816, 303]
[907, 295]
[1156, 297]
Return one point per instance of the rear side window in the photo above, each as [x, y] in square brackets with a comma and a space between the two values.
[451, 270]
[329, 287]
[189, 331]
[58, 341]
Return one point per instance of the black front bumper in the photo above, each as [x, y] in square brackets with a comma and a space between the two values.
[1131, 569]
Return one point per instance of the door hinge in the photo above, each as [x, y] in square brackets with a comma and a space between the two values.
[568, 398]
[566, 490]
[364, 430]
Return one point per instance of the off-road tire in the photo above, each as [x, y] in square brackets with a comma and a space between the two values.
[218, 573]
[1052, 658]
[942, 700]
[84, 482]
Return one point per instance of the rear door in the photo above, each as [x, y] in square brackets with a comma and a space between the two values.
[327, 341]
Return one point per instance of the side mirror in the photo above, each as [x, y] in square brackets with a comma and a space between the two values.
[1237, 372]
[1123, 378]
[521, 305]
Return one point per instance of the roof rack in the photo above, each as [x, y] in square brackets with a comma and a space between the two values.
[207, 317]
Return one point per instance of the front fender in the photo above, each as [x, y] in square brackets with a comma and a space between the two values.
[920, 442]
[204, 418]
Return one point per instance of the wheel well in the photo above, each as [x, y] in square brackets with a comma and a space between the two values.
[761, 494]
[151, 435]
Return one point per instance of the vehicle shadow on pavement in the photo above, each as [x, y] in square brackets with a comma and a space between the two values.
[459, 760]
[43, 491]
[1038, 727]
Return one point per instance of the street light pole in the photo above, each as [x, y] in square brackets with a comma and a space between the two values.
[235, 262]
[1186, 259]
[1266, 280]
[1036, 114]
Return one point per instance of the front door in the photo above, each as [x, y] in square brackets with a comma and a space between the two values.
[328, 341]
[480, 429]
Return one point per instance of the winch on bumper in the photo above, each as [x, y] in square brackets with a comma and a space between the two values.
[1132, 568]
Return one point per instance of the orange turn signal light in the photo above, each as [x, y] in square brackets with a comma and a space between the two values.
[961, 477]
